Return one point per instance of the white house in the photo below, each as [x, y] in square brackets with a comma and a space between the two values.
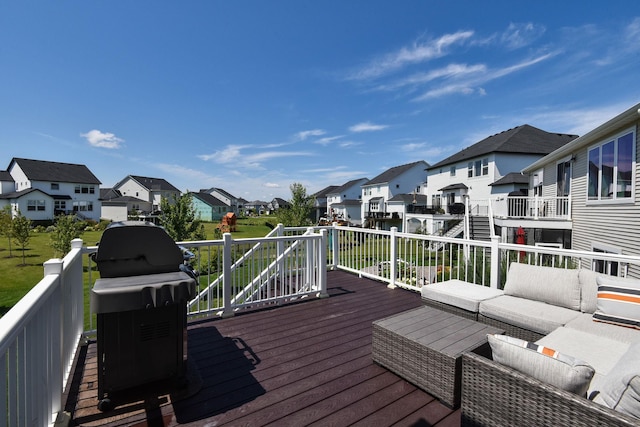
[233, 203]
[403, 179]
[150, 190]
[43, 189]
[344, 202]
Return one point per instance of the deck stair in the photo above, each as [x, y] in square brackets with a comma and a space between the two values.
[479, 228]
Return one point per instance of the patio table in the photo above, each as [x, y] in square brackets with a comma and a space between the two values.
[425, 347]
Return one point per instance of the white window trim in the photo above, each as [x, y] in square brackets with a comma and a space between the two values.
[621, 201]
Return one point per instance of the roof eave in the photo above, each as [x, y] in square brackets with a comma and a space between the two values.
[626, 118]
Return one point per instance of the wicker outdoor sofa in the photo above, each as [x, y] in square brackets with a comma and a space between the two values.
[549, 308]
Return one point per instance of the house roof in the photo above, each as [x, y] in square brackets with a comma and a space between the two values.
[18, 194]
[326, 190]
[154, 184]
[221, 191]
[421, 199]
[394, 172]
[6, 176]
[348, 202]
[208, 199]
[457, 186]
[512, 178]
[524, 139]
[41, 170]
[344, 187]
[623, 119]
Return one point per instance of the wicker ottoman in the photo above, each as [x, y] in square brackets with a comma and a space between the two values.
[425, 347]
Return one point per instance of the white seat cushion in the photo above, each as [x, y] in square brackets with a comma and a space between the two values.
[458, 293]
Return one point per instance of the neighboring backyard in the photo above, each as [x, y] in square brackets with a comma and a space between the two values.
[16, 278]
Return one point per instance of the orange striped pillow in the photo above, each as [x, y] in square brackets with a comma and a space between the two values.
[618, 301]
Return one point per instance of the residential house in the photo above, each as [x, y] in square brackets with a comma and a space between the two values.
[117, 207]
[233, 203]
[256, 207]
[483, 174]
[595, 180]
[320, 203]
[277, 203]
[208, 207]
[403, 179]
[150, 190]
[43, 189]
[345, 202]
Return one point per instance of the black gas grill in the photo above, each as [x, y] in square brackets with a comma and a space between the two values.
[140, 302]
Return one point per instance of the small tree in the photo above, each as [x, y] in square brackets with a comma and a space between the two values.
[21, 232]
[5, 225]
[65, 229]
[179, 218]
[299, 211]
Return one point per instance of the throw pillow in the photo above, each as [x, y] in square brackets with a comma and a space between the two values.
[556, 286]
[618, 301]
[542, 363]
[620, 388]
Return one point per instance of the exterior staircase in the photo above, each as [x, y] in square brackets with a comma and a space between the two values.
[479, 228]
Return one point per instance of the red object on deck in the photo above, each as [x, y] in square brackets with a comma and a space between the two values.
[521, 240]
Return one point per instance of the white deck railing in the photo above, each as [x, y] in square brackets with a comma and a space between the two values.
[534, 207]
[39, 336]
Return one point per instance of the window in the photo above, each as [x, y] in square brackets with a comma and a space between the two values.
[537, 182]
[82, 206]
[35, 205]
[55, 186]
[85, 189]
[478, 168]
[374, 206]
[60, 205]
[610, 169]
[452, 171]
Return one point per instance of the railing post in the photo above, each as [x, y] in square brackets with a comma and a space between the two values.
[393, 254]
[536, 210]
[494, 281]
[322, 265]
[335, 246]
[227, 310]
[569, 207]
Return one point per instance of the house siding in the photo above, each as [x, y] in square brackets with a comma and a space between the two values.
[608, 225]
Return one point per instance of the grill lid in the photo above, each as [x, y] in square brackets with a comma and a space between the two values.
[132, 248]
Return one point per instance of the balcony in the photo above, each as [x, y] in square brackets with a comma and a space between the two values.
[280, 332]
[533, 208]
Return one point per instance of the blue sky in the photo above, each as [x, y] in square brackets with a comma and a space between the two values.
[252, 96]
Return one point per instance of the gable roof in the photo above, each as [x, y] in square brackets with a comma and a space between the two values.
[221, 191]
[626, 118]
[6, 176]
[394, 172]
[347, 185]
[155, 184]
[512, 178]
[325, 191]
[18, 194]
[524, 139]
[208, 199]
[41, 170]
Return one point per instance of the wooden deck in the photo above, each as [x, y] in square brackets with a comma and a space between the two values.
[307, 363]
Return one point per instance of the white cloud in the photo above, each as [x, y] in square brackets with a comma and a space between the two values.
[100, 139]
[230, 154]
[271, 185]
[414, 146]
[417, 53]
[367, 127]
[347, 144]
[301, 136]
[519, 35]
[451, 71]
[328, 140]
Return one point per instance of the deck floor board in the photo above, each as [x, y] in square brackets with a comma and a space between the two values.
[307, 363]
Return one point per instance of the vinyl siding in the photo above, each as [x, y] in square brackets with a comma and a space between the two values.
[612, 225]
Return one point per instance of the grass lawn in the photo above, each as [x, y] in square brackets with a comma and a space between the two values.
[18, 277]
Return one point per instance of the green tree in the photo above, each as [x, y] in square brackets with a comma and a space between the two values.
[65, 229]
[5, 225]
[298, 213]
[179, 218]
[21, 232]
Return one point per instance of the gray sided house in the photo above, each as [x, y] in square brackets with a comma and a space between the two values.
[43, 189]
[117, 207]
[344, 202]
[600, 174]
[320, 203]
[207, 207]
[233, 203]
